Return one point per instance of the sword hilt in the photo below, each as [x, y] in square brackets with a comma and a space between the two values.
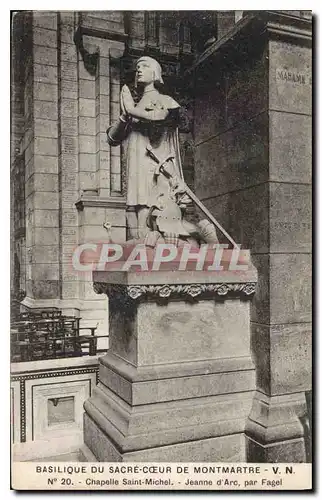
[161, 167]
[150, 152]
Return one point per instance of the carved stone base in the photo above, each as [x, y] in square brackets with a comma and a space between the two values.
[178, 381]
[276, 429]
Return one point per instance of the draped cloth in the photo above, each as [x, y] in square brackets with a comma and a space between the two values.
[143, 186]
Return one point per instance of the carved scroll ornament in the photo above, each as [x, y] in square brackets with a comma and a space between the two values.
[194, 290]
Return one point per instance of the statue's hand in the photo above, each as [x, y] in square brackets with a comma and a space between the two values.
[127, 99]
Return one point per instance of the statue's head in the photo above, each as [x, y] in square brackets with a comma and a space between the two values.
[148, 70]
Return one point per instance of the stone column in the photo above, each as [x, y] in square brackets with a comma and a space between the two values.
[41, 160]
[177, 382]
[102, 112]
[253, 171]
[20, 40]
[282, 328]
[100, 198]
[68, 161]
[115, 152]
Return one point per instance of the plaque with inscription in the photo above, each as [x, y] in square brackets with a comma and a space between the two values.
[69, 107]
[69, 162]
[68, 199]
[68, 71]
[293, 76]
[69, 145]
[69, 125]
[69, 181]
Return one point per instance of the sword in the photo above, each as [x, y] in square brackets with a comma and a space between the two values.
[190, 193]
[161, 164]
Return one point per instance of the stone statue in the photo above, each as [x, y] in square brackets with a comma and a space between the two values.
[157, 196]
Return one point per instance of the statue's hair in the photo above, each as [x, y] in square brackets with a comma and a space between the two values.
[157, 70]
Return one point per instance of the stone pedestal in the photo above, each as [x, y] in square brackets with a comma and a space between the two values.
[178, 381]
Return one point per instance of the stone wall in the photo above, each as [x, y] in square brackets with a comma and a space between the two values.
[68, 71]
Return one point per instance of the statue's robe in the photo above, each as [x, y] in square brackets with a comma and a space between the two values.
[143, 186]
